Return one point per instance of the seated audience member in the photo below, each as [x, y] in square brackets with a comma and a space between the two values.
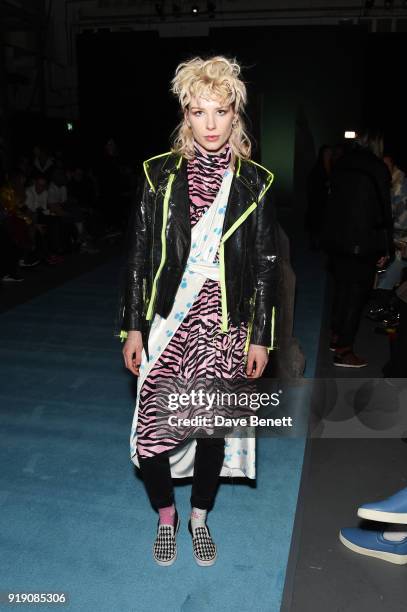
[392, 275]
[385, 544]
[47, 222]
[20, 227]
[43, 163]
[9, 252]
[36, 197]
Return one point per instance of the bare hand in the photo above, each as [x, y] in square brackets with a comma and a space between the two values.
[132, 350]
[257, 359]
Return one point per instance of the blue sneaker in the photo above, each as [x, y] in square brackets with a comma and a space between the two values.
[373, 544]
[390, 510]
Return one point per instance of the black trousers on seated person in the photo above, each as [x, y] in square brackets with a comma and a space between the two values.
[208, 463]
[353, 279]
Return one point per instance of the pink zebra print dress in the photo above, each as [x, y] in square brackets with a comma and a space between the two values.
[198, 349]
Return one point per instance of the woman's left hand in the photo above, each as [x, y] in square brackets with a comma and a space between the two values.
[257, 359]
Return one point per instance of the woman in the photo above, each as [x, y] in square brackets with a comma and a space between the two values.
[199, 303]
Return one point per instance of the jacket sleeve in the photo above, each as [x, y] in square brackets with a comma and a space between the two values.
[267, 275]
[136, 258]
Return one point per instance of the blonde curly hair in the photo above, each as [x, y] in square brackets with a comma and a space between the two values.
[214, 77]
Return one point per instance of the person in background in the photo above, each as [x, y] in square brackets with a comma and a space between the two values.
[36, 196]
[385, 544]
[392, 275]
[9, 252]
[43, 162]
[357, 234]
[47, 222]
[19, 224]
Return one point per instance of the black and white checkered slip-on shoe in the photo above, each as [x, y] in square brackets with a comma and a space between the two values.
[204, 547]
[165, 545]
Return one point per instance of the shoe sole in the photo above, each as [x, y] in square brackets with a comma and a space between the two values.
[384, 556]
[383, 517]
[346, 365]
[203, 563]
[171, 561]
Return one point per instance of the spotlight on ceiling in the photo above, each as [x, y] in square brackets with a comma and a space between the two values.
[195, 9]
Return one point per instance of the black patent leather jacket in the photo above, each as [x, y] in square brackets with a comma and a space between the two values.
[159, 240]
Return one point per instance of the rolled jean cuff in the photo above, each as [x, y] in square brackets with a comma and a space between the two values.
[162, 502]
[201, 502]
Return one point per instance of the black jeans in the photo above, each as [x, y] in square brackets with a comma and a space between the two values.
[353, 279]
[208, 463]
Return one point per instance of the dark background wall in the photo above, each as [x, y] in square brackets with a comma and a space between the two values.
[306, 86]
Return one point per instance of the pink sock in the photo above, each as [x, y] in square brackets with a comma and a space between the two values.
[167, 515]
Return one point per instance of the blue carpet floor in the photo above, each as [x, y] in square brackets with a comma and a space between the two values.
[75, 517]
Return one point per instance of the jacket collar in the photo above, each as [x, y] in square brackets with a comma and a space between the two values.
[245, 174]
[244, 190]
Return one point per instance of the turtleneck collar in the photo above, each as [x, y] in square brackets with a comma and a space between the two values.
[213, 161]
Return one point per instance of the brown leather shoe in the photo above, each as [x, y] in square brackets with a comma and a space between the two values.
[347, 359]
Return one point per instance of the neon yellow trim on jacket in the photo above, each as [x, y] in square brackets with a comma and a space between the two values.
[270, 178]
[273, 324]
[145, 164]
[163, 247]
[239, 221]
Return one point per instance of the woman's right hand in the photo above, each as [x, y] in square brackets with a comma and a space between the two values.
[132, 350]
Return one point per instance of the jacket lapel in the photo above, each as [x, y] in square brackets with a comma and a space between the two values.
[178, 212]
[242, 195]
